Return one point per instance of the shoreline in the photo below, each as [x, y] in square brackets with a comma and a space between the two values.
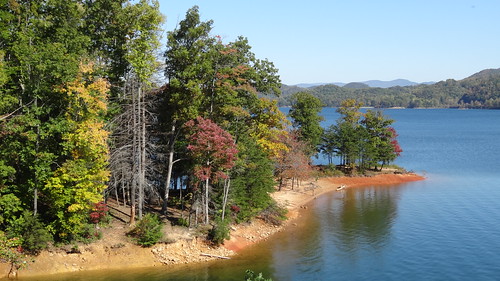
[295, 200]
[119, 252]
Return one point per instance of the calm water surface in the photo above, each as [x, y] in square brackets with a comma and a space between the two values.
[444, 228]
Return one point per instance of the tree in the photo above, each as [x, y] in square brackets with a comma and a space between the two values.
[253, 180]
[293, 162]
[42, 46]
[187, 67]
[306, 119]
[349, 135]
[213, 151]
[80, 180]
[361, 140]
[139, 25]
[217, 81]
[379, 137]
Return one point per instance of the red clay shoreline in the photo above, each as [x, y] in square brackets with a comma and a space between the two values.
[104, 254]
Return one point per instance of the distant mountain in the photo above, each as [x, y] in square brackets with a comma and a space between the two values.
[309, 85]
[480, 90]
[484, 74]
[356, 85]
[388, 84]
[370, 83]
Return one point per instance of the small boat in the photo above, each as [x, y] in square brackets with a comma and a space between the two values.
[342, 187]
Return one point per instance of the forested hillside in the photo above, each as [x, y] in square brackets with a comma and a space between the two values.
[481, 90]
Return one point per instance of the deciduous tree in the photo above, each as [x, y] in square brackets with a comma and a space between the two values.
[214, 152]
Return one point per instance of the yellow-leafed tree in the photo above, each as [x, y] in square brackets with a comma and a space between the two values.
[79, 182]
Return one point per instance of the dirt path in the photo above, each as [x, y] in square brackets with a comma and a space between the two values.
[115, 250]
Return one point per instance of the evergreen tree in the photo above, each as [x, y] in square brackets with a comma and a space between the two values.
[306, 119]
[253, 180]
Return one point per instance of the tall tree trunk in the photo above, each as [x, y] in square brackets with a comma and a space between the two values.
[37, 147]
[206, 201]
[134, 159]
[227, 184]
[115, 187]
[169, 169]
[142, 150]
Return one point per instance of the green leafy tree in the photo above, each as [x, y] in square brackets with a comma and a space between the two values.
[306, 119]
[218, 81]
[379, 138]
[187, 68]
[253, 180]
[361, 140]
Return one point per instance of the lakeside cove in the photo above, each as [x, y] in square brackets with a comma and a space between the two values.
[117, 251]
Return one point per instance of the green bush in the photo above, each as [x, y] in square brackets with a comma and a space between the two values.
[330, 171]
[219, 232]
[250, 276]
[9, 251]
[183, 222]
[148, 230]
[89, 234]
[34, 236]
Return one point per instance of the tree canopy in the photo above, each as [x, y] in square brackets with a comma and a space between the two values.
[361, 140]
[306, 119]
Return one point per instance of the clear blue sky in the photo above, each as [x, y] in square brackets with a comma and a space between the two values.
[358, 40]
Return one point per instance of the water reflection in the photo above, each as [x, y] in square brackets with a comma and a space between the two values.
[362, 219]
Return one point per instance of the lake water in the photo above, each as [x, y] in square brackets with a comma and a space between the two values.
[444, 228]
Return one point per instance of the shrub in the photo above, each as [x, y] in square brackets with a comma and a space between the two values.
[219, 232]
[250, 276]
[100, 214]
[89, 234]
[148, 230]
[330, 171]
[183, 222]
[34, 236]
[10, 252]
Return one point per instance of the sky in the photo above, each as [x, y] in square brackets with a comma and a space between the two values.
[313, 41]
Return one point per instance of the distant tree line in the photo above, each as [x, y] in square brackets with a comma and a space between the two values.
[481, 90]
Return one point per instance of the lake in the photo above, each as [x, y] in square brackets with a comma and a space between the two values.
[444, 228]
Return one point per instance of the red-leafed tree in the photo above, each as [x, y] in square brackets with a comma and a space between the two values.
[394, 142]
[390, 148]
[213, 151]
